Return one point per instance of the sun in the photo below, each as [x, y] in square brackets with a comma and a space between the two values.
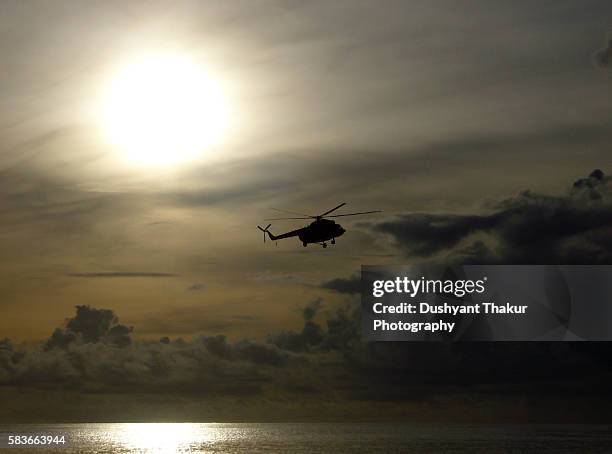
[163, 110]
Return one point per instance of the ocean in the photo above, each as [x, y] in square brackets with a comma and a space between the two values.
[311, 438]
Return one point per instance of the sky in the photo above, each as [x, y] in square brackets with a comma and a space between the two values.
[475, 128]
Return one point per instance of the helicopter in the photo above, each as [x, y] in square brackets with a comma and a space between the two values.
[318, 231]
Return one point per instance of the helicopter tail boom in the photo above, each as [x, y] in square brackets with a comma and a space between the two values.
[281, 236]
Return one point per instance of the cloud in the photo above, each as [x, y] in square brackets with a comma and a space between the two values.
[309, 337]
[603, 57]
[320, 363]
[245, 350]
[120, 274]
[93, 351]
[530, 228]
[90, 325]
[350, 285]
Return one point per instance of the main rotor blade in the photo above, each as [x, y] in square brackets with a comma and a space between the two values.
[292, 212]
[333, 209]
[353, 214]
[282, 219]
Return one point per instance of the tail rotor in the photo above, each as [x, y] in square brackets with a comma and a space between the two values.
[264, 231]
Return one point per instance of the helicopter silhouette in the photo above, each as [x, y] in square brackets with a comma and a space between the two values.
[318, 231]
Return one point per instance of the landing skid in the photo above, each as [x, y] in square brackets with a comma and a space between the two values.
[324, 244]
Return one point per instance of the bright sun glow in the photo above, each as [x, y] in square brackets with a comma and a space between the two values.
[160, 437]
[163, 110]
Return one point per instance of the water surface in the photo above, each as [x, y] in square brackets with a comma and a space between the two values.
[318, 438]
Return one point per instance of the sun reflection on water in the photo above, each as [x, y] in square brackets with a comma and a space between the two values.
[162, 437]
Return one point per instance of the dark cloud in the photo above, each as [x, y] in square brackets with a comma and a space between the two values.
[93, 351]
[5, 344]
[399, 370]
[90, 325]
[350, 285]
[342, 333]
[311, 309]
[245, 350]
[114, 274]
[309, 337]
[603, 57]
[530, 228]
